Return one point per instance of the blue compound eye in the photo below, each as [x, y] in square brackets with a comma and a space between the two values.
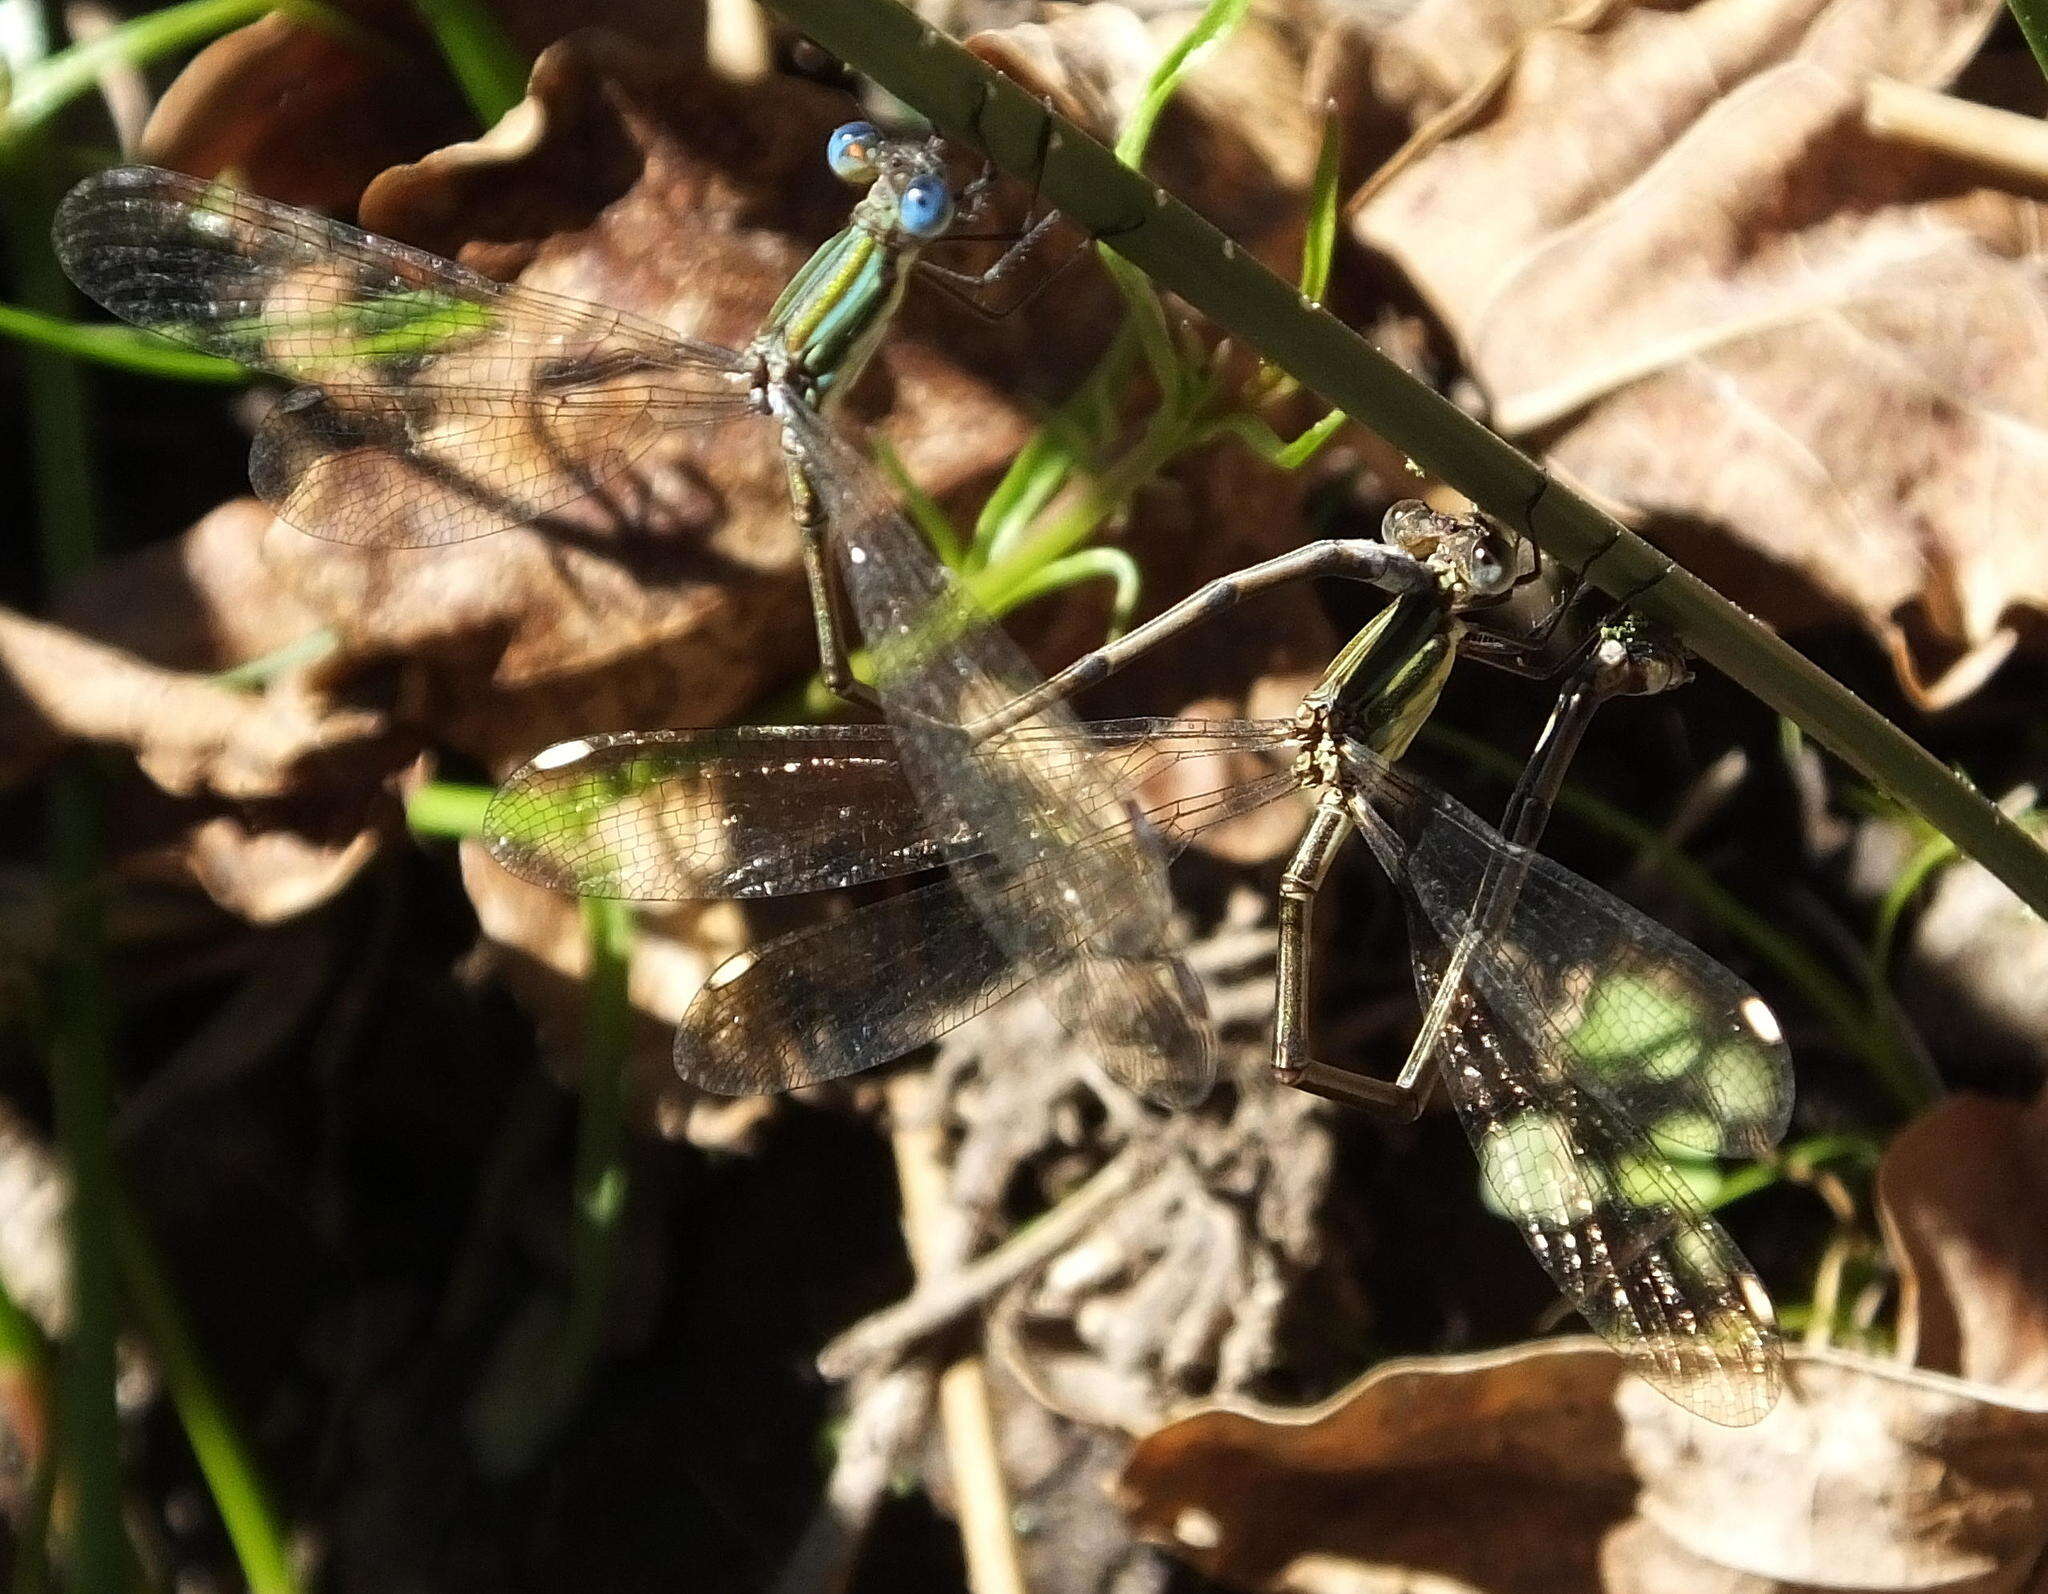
[852, 150]
[925, 206]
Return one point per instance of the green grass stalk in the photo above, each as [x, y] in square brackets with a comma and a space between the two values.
[80, 1043]
[54, 82]
[488, 68]
[262, 1548]
[121, 348]
[600, 1135]
[444, 808]
[2032, 16]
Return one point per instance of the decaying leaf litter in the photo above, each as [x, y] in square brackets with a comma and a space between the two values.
[1273, 1248]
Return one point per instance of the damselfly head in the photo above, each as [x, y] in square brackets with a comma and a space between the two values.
[911, 193]
[1475, 557]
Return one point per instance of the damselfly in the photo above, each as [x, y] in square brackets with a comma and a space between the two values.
[1568, 1021]
[436, 405]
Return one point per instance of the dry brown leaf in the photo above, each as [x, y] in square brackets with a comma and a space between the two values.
[1244, 135]
[191, 734]
[1961, 1191]
[1448, 1469]
[1435, 54]
[301, 110]
[1866, 1476]
[1673, 254]
[1542, 1467]
[267, 874]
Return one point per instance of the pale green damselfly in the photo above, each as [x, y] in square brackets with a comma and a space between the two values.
[437, 405]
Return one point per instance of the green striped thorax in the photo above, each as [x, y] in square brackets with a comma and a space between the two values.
[825, 326]
[1386, 681]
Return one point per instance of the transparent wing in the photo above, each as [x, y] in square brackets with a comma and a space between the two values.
[754, 811]
[853, 993]
[1657, 1030]
[436, 405]
[664, 815]
[847, 995]
[1624, 1239]
[939, 664]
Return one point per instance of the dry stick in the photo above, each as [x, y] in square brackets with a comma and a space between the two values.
[889, 1333]
[937, 1240]
[1189, 257]
[2003, 142]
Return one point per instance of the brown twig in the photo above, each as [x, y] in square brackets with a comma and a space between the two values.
[938, 1239]
[938, 1300]
[2002, 142]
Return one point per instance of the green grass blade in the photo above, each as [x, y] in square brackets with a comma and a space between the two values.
[509, 1432]
[1113, 565]
[1219, 19]
[81, 1004]
[1035, 475]
[1931, 856]
[1319, 241]
[1148, 322]
[1857, 1147]
[444, 808]
[1062, 447]
[2032, 16]
[120, 347]
[600, 1133]
[1261, 439]
[523, 1410]
[262, 1548]
[488, 67]
[921, 507]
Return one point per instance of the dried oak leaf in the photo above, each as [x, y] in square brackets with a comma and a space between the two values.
[307, 112]
[1960, 1191]
[1865, 1476]
[1494, 1472]
[1675, 256]
[1542, 1467]
[1239, 139]
[190, 733]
